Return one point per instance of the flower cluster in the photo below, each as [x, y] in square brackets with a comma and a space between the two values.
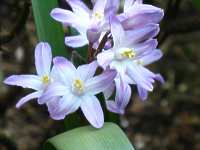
[123, 43]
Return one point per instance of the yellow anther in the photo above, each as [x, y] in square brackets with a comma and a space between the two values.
[128, 53]
[78, 86]
[45, 79]
[98, 15]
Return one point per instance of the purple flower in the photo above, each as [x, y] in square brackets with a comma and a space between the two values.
[136, 14]
[122, 98]
[77, 89]
[39, 82]
[132, 51]
[89, 23]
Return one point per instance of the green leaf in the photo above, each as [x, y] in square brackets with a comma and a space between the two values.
[197, 3]
[49, 30]
[110, 137]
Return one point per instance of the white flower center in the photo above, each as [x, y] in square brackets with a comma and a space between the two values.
[78, 86]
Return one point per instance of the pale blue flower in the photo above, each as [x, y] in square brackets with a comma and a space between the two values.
[132, 51]
[41, 80]
[77, 89]
[89, 23]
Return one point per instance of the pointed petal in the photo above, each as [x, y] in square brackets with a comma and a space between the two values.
[140, 77]
[65, 68]
[159, 78]
[142, 34]
[64, 16]
[105, 58]
[145, 47]
[28, 98]
[140, 15]
[117, 31]
[92, 110]
[112, 107]
[87, 71]
[151, 57]
[97, 84]
[55, 89]
[99, 6]
[143, 94]
[109, 90]
[25, 81]
[43, 58]
[76, 41]
[123, 93]
[122, 98]
[59, 108]
[113, 5]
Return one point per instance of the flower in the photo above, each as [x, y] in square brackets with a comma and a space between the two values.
[39, 82]
[132, 51]
[77, 89]
[123, 95]
[89, 23]
[136, 14]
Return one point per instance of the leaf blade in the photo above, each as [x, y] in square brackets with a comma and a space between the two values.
[47, 29]
[110, 137]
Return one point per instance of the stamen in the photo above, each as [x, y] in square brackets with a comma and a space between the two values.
[45, 79]
[128, 53]
[78, 86]
[98, 15]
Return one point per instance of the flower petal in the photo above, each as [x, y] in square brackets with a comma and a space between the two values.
[109, 90]
[59, 108]
[97, 84]
[112, 5]
[87, 71]
[65, 69]
[123, 95]
[64, 16]
[140, 15]
[92, 110]
[145, 47]
[141, 78]
[25, 81]
[159, 78]
[112, 107]
[54, 90]
[142, 34]
[117, 31]
[143, 94]
[43, 58]
[99, 6]
[76, 41]
[105, 58]
[28, 98]
[151, 57]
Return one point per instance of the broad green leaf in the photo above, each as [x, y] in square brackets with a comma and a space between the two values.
[47, 29]
[110, 137]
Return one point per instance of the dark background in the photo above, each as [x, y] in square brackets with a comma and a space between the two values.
[168, 120]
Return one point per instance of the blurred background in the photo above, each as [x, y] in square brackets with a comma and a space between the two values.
[168, 120]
